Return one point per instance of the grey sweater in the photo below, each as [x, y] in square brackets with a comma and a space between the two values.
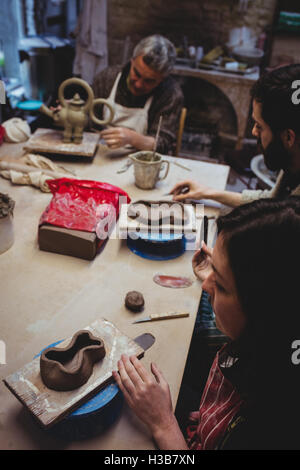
[249, 195]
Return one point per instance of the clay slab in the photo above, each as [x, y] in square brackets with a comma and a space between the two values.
[50, 141]
[127, 223]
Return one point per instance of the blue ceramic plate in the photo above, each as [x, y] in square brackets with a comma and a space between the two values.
[30, 105]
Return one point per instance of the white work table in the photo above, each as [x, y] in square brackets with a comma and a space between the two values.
[46, 297]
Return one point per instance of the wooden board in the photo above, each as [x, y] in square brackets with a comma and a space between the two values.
[49, 406]
[50, 141]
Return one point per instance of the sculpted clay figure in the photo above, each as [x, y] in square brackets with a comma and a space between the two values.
[73, 115]
[68, 368]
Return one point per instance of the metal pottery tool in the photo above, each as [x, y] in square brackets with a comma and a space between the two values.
[162, 316]
[184, 190]
[205, 229]
[182, 166]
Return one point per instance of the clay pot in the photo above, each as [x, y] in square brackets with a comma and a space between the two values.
[6, 222]
[147, 169]
[68, 368]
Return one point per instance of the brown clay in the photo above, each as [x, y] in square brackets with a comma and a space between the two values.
[68, 368]
[157, 212]
[134, 301]
[6, 205]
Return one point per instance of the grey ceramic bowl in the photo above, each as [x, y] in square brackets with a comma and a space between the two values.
[248, 55]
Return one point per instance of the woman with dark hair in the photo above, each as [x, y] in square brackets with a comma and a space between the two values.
[251, 398]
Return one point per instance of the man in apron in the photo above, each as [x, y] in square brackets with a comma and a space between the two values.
[140, 92]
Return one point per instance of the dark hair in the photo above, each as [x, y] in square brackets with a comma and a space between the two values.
[262, 241]
[274, 91]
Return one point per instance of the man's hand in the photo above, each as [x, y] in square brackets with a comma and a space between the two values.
[189, 189]
[148, 395]
[116, 137]
[201, 262]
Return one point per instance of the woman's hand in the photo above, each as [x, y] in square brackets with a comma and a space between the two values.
[189, 189]
[201, 262]
[148, 395]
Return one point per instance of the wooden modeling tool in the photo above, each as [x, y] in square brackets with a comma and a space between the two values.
[205, 229]
[162, 316]
[156, 137]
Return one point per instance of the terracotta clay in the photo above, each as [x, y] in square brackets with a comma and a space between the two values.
[172, 281]
[68, 368]
[134, 301]
[157, 212]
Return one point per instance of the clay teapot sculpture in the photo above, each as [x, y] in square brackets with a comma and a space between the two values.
[73, 115]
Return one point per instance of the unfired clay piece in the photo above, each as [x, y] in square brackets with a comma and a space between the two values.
[157, 212]
[134, 301]
[68, 368]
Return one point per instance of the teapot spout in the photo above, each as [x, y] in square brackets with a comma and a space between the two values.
[45, 110]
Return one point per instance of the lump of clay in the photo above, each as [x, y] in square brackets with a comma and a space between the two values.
[16, 130]
[6, 205]
[6, 222]
[134, 301]
[68, 368]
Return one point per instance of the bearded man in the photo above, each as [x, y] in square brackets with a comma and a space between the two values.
[276, 115]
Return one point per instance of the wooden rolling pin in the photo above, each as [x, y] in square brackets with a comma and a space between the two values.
[4, 165]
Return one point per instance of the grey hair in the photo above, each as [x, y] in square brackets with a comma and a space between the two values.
[158, 53]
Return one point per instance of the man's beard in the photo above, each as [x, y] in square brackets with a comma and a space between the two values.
[276, 157]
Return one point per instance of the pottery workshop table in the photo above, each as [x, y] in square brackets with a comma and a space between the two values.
[46, 297]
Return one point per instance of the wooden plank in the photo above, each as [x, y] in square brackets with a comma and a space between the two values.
[49, 141]
[50, 406]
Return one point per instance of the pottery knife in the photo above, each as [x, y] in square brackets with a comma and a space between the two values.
[161, 316]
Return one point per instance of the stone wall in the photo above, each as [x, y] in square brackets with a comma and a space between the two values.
[203, 22]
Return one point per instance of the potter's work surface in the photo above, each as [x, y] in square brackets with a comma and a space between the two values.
[46, 297]
[49, 406]
[51, 141]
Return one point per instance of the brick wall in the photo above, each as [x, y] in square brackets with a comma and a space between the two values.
[203, 22]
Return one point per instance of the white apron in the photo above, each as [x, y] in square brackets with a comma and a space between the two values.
[132, 118]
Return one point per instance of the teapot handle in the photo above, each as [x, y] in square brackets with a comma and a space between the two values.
[111, 112]
[76, 81]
